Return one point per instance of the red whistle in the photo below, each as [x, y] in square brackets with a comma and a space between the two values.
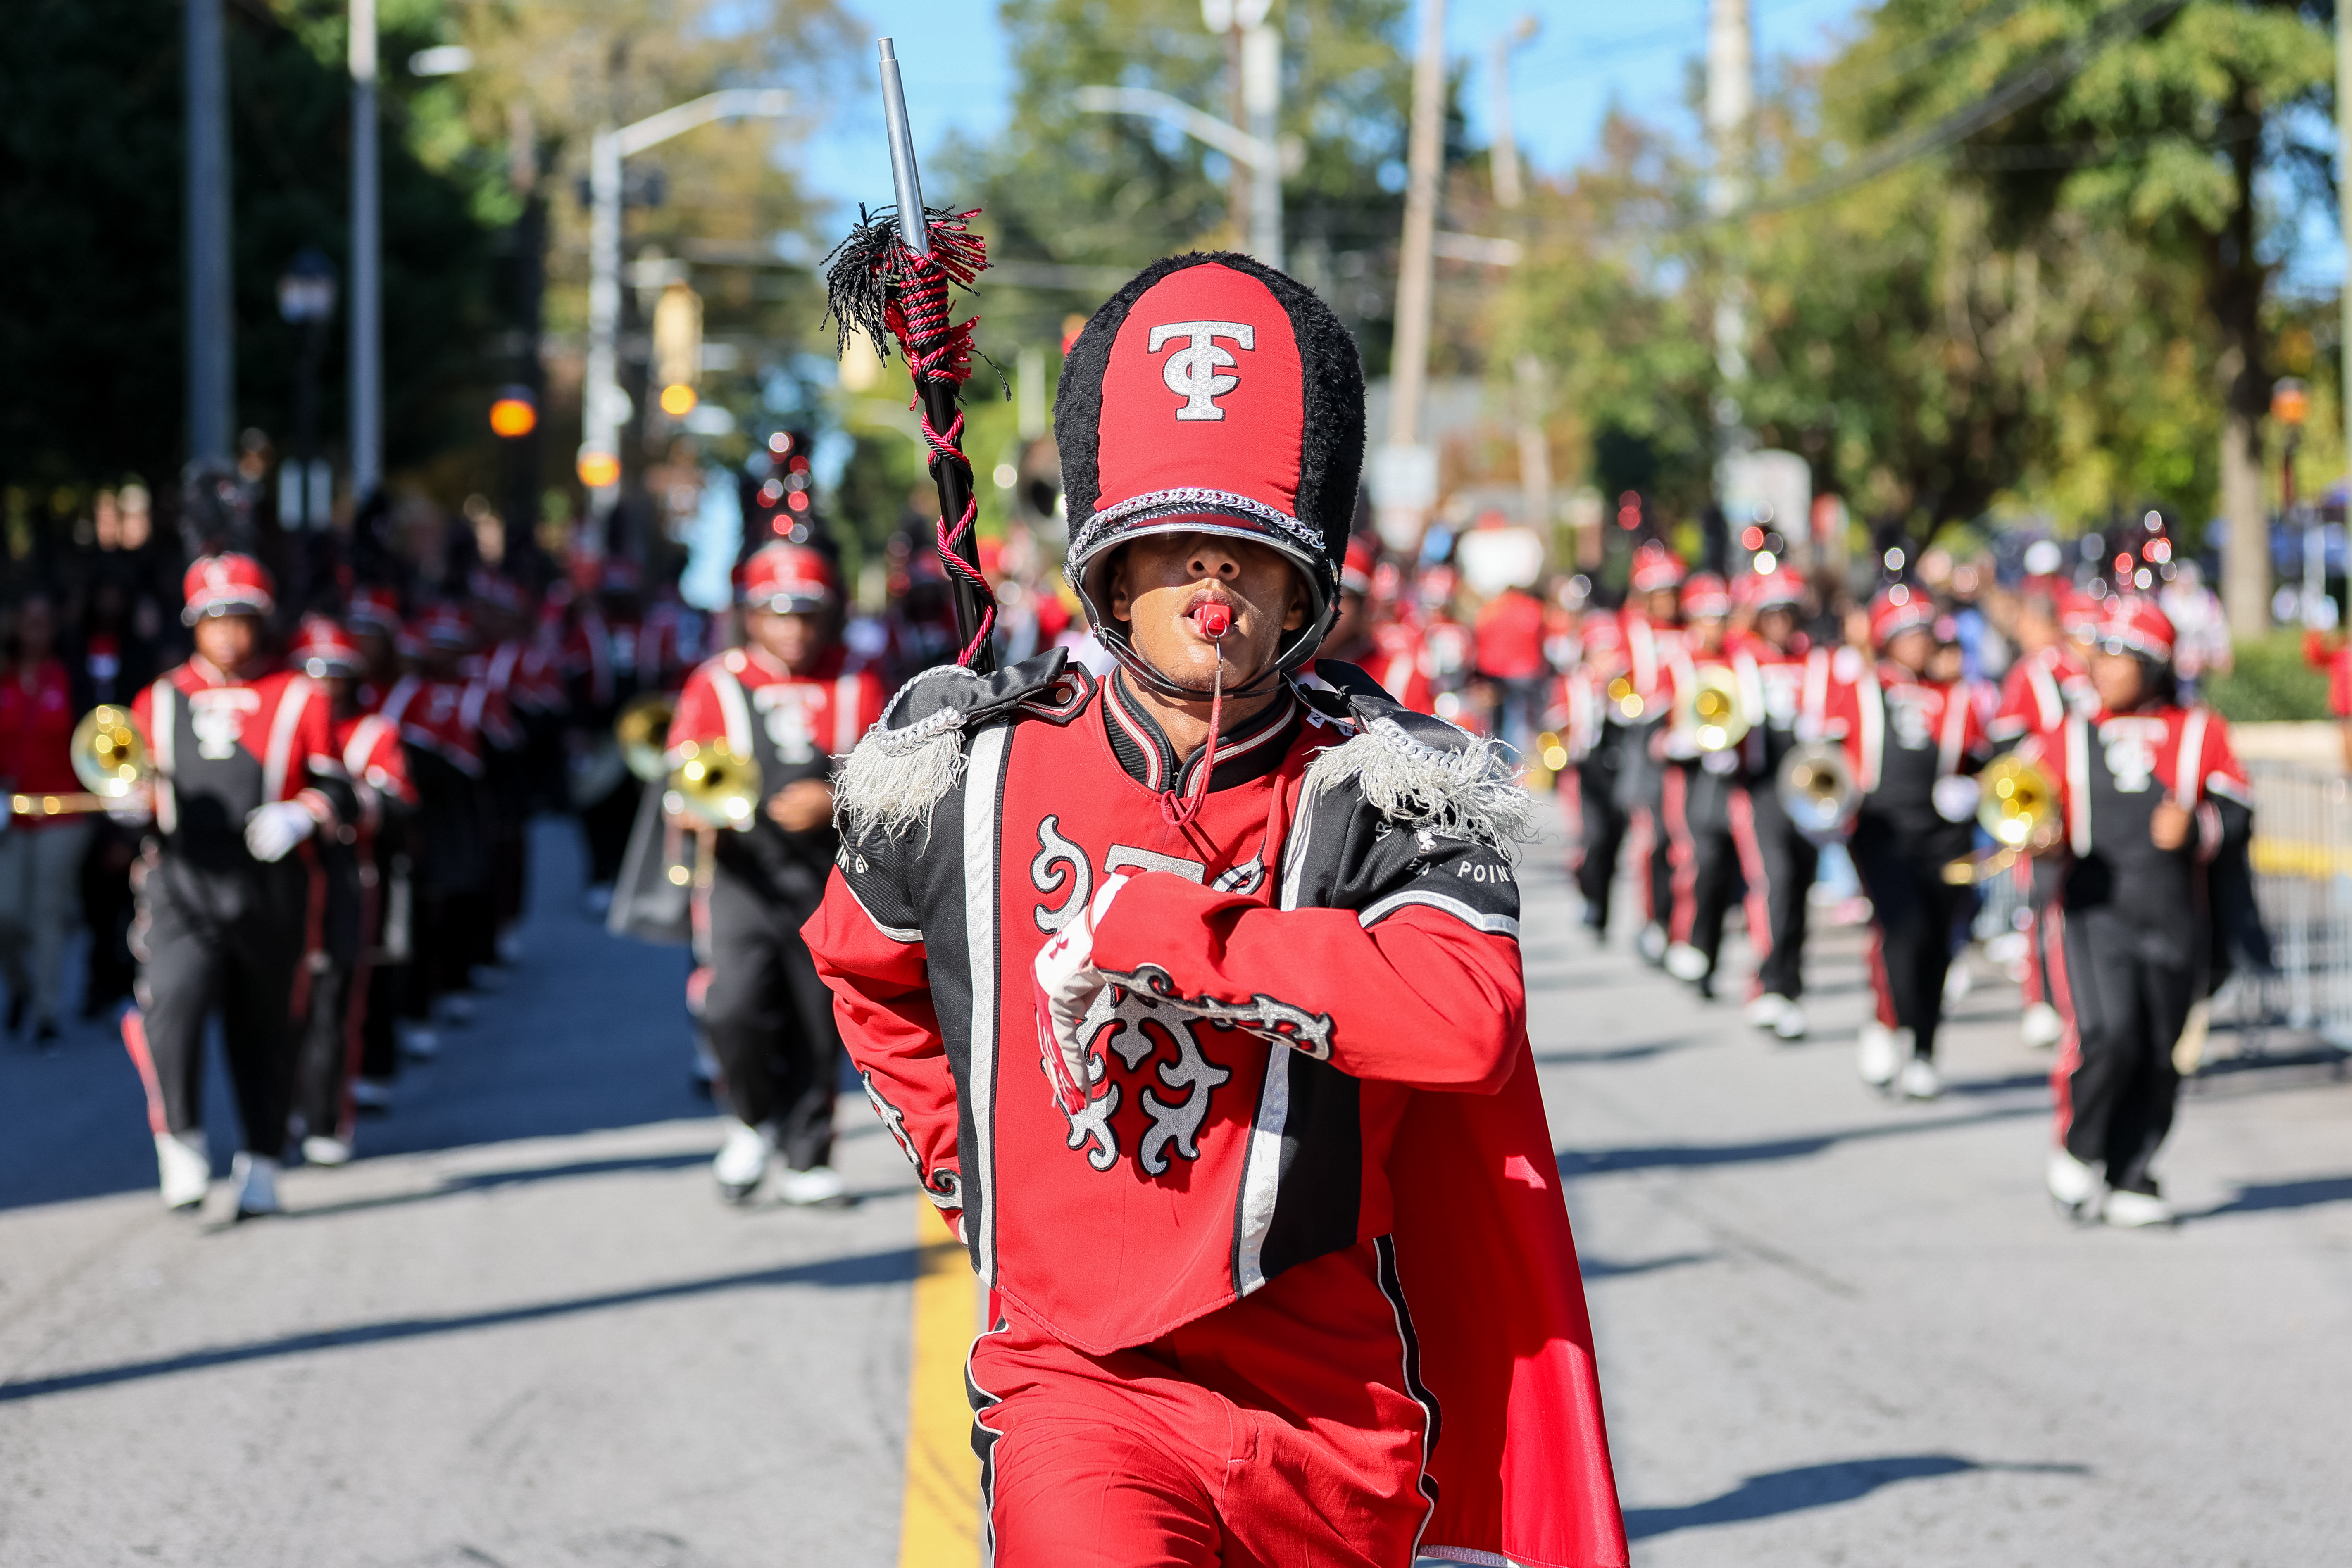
[1214, 619]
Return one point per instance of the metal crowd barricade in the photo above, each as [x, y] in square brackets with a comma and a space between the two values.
[2302, 858]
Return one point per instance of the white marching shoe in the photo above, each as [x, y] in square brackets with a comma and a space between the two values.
[1687, 964]
[183, 1168]
[817, 1185]
[1920, 1080]
[319, 1149]
[742, 1161]
[256, 1176]
[2073, 1186]
[1880, 1052]
[1791, 1025]
[1765, 1012]
[2040, 1028]
[1650, 941]
[2134, 1211]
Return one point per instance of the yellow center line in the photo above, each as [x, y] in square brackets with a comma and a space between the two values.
[938, 1527]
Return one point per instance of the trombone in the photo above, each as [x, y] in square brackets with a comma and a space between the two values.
[715, 784]
[1818, 789]
[1711, 712]
[109, 757]
[2019, 808]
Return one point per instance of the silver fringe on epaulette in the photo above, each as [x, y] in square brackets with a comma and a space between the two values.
[1470, 792]
[894, 778]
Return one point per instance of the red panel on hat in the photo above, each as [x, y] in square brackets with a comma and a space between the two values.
[1216, 404]
[2137, 623]
[790, 572]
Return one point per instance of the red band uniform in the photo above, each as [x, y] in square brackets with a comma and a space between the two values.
[245, 770]
[333, 1033]
[441, 714]
[1597, 782]
[1301, 1197]
[2132, 936]
[1703, 791]
[1785, 685]
[768, 1016]
[1654, 641]
[1908, 739]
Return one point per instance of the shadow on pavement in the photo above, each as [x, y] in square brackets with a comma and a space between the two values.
[1814, 1486]
[1642, 1051]
[1575, 1162]
[1597, 1268]
[896, 1266]
[2271, 1195]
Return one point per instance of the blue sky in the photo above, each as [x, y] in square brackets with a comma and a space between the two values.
[1587, 56]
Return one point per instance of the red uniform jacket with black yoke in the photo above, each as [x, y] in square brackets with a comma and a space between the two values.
[1315, 1034]
[222, 746]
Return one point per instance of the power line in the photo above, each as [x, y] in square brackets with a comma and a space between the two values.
[1902, 62]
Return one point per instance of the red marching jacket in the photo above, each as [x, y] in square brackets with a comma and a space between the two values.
[222, 746]
[1316, 1036]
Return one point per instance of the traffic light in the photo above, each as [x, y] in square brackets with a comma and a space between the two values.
[677, 348]
[514, 413]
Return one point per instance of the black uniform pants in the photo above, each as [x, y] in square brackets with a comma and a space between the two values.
[1911, 914]
[331, 1031]
[2126, 985]
[1783, 864]
[1642, 784]
[1603, 836]
[770, 1018]
[1707, 879]
[606, 824]
[229, 939]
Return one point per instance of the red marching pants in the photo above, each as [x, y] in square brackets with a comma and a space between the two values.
[1284, 1430]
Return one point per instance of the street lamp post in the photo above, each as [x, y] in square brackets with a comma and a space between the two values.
[367, 264]
[602, 411]
[306, 300]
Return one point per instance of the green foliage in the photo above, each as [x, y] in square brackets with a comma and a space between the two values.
[2271, 682]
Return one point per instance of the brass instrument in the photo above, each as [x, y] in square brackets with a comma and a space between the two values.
[1711, 710]
[108, 755]
[716, 784]
[1818, 789]
[1624, 698]
[2017, 806]
[643, 734]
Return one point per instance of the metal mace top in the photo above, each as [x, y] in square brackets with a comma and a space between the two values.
[905, 183]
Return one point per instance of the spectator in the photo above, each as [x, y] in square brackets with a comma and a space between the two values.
[40, 857]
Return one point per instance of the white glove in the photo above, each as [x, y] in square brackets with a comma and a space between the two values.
[1066, 984]
[273, 829]
[1956, 797]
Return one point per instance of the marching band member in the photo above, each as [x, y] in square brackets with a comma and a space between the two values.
[333, 1038]
[1696, 796]
[1911, 741]
[2147, 793]
[245, 772]
[793, 699]
[1379, 645]
[439, 713]
[1785, 684]
[1595, 784]
[2045, 683]
[1652, 620]
[1275, 1185]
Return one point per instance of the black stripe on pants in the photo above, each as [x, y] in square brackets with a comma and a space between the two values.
[1791, 863]
[770, 1018]
[1603, 836]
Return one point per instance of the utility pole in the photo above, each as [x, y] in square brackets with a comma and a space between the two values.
[1730, 99]
[2344, 227]
[603, 405]
[367, 265]
[1535, 452]
[1405, 471]
[211, 342]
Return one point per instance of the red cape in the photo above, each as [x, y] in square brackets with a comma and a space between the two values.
[1489, 1265]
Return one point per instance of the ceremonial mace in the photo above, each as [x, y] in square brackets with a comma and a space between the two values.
[890, 280]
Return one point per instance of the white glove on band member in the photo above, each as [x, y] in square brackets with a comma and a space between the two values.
[271, 830]
[1956, 797]
[1067, 984]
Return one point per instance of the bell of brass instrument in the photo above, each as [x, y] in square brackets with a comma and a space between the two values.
[1625, 700]
[2019, 808]
[1711, 710]
[108, 756]
[1818, 789]
[643, 732]
[716, 784]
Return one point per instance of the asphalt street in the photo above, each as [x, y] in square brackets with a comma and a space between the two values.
[522, 1330]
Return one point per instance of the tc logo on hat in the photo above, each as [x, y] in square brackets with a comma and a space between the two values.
[1192, 373]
